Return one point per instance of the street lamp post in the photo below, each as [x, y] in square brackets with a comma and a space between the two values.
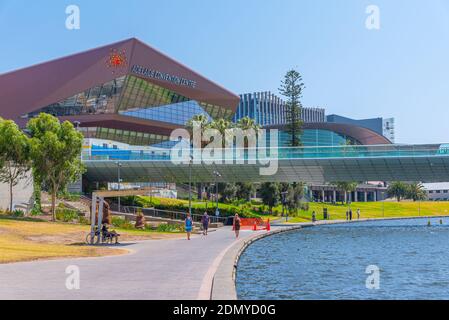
[419, 207]
[284, 195]
[190, 185]
[216, 175]
[119, 180]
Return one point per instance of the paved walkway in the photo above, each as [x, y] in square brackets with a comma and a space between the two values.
[156, 270]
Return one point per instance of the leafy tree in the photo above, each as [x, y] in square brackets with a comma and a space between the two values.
[245, 190]
[229, 192]
[292, 87]
[416, 192]
[295, 196]
[398, 190]
[56, 153]
[14, 156]
[270, 193]
[346, 187]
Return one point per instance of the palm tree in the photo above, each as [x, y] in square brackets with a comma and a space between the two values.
[398, 190]
[346, 187]
[416, 192]
[200, 120]
[223, 126]
[249, 125]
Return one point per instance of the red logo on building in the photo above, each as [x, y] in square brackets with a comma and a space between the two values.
[117, 60]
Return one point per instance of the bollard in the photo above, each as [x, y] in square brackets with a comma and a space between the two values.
[268, 225]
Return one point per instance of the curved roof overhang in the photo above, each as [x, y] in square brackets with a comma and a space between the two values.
[364, 135]
[120, 122]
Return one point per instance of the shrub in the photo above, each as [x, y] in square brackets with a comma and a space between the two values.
[83, 220]
[35, 212]
[122, 223]
[69, 196]
[170, 228]
[18, 214]
[305, 206]
[66, 215]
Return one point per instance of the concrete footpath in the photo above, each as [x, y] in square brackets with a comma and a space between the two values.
[156, 270]
[203, 268]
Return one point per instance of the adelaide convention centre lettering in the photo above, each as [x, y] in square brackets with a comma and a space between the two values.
[154, 74]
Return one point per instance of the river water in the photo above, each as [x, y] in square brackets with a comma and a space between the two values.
[330, 262]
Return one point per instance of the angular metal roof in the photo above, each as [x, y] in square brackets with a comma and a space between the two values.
[38, 86]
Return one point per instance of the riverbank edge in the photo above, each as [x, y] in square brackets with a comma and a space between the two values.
[224, 285]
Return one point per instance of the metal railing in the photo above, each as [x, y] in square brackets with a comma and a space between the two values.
[171, 215]
[248, 154]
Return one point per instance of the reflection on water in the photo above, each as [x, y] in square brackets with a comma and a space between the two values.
[329, 262]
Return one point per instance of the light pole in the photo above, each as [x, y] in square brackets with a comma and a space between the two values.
[284, 195]
[190, 184]
[119, 180]
[216, 175]
[419, 207]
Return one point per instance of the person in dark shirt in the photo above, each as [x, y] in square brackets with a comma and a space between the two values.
[237, 225]
[205, 220]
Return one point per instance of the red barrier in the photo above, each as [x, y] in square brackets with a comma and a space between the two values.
[255, 224]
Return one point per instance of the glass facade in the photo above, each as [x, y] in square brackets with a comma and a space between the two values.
[124, 136]
[100, 99]
[267, 109]
[134, 97]
[318, 137]
[145, 100]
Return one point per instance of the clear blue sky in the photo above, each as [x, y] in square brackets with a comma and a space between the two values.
[398, 71]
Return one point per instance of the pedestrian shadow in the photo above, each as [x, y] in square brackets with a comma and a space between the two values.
[105, 245]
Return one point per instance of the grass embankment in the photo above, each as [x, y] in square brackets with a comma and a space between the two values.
[245, 209]
[368, 210]
[373, 210]
[34, 239]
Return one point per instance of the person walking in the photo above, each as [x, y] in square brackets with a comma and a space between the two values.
[313, 216]
[189, 225]
[358, 214]
[350, 214]
[237, 224]
[347, 215]
[205, 222]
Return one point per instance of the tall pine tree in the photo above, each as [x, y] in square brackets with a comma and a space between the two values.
[292, 87]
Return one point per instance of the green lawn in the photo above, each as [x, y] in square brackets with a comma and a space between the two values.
[337, 212]
[377, 210]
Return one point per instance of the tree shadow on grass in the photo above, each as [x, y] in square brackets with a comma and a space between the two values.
[25, 219]
[104, 245]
